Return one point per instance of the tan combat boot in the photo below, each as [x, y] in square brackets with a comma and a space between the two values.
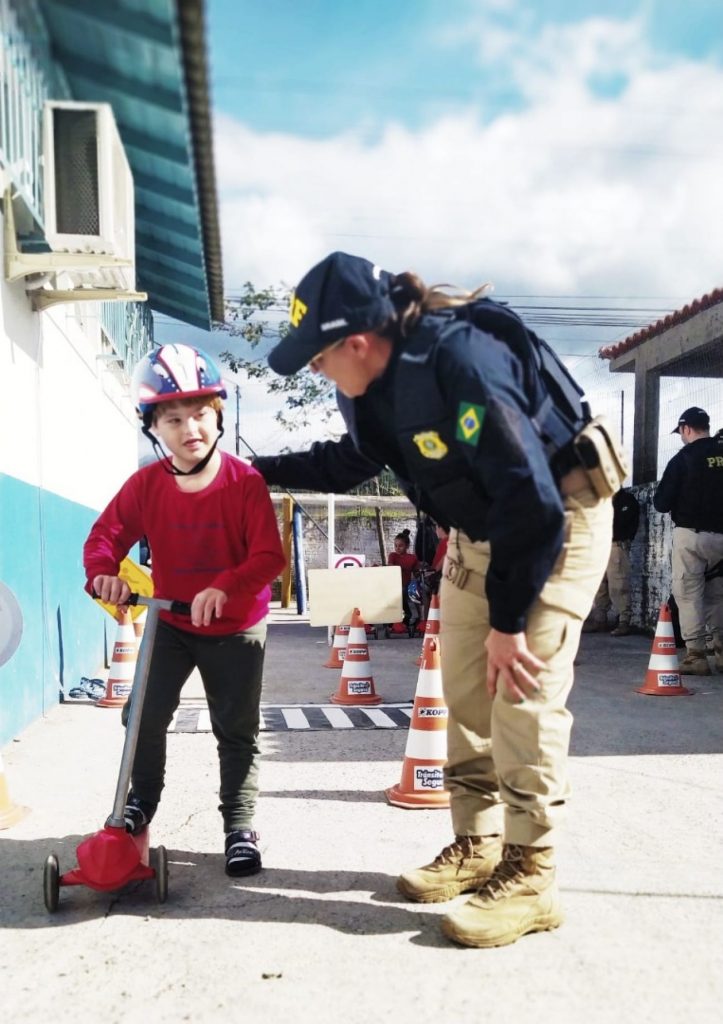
[718, 654]
[695, 663]
[461, 867]
[520, 897]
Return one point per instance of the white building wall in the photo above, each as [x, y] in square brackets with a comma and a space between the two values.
[68, 440]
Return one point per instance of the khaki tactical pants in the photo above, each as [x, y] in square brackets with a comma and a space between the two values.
[700, 601]
[506, 763]
[615, 586]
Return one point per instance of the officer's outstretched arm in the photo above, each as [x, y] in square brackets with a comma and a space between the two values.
[329, 466]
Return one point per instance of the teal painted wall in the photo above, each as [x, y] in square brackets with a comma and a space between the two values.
[41, 546]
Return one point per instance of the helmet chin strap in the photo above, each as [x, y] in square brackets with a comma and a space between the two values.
[165, 460]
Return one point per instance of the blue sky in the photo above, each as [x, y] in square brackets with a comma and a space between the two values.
[567, 150]
[315, 68]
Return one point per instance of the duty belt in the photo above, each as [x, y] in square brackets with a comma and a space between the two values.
[463, 578]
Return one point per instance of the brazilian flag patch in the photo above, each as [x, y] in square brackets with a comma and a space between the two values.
[469, 422]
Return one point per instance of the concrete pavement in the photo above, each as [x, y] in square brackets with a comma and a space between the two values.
[322, 935]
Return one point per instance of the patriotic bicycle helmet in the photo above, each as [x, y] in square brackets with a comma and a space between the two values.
[171, 372]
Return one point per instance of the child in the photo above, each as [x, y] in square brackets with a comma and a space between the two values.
[407, 561]
[212, 529]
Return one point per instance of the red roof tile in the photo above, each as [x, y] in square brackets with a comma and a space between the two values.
[680, 315]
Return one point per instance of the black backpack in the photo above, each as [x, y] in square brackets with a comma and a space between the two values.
[560, 407]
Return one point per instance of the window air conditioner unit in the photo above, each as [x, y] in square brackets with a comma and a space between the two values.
[88, 192]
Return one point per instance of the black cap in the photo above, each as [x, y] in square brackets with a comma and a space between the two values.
[694, 417]
[340, 296]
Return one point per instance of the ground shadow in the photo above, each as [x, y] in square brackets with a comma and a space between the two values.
[199, 888]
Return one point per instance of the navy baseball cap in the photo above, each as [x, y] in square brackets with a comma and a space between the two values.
[694, 417]
[340, 296]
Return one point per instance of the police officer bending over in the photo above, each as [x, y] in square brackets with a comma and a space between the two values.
[692, 491]
[456, 397]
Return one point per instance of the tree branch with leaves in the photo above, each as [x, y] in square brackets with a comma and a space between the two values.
[256, 320]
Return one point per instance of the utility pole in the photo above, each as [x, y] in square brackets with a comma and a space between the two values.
[238, 434]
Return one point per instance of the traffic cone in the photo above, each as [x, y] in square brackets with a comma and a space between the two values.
[431, 629]
[336, 654]
[10, 813]
[122, 664]
[422, 782]
[663, 676]
[356, 685]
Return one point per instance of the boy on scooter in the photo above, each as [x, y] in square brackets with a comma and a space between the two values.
[215, 544]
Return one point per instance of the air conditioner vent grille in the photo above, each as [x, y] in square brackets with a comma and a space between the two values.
[75, 138]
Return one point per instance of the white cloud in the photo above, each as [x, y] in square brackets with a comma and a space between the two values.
[572, 193]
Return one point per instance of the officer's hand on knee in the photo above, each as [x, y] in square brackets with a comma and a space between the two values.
[511, 664]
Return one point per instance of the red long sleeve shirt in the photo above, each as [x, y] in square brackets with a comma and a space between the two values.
[406, 562]
[224, 536]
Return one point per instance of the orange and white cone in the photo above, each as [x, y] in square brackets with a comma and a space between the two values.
[338, 647]
[663, 676]
[422, 782]
[431, 630]
[139, 624]
[356, 685]
[122, 665]
[10, 813]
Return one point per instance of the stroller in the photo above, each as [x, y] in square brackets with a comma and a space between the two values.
[425, 582]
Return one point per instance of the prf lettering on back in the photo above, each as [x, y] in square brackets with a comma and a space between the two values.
[297, 310]
[715, 462]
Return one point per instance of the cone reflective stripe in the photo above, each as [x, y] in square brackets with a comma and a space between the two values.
[139, 624]
[122, 666]
[356, 685]
[663, 676]
[431, 628]
[336, 654]
[422, 781]
[10, 813]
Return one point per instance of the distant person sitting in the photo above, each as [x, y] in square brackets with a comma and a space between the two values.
[614, 589]
[407, 562]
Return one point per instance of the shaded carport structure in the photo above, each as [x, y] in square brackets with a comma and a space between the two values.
[687, 343]
[147, 58]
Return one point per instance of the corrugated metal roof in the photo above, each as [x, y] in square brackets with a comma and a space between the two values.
[147, 58]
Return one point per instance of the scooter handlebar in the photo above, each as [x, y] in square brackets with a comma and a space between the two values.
[177, 607]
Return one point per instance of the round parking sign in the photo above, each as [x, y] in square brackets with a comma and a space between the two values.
[349, 561]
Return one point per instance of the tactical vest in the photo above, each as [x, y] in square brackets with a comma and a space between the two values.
[442, 485]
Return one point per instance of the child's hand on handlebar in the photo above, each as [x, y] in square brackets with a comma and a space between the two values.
[207, 604]
[111, 589]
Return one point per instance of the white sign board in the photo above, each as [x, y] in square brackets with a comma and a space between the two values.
[376, 591]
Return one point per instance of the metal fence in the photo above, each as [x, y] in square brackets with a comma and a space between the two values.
[129, 328]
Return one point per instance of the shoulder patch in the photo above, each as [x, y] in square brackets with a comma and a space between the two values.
[430, 444]
[469, 422]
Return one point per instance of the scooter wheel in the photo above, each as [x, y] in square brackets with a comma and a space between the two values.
[51, 883]
[159, 863]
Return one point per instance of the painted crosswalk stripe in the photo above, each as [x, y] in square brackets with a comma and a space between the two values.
[302, 717]
[380, 718]
[295, 718]
[338, 719]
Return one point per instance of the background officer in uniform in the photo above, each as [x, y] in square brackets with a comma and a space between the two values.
[448, 408]
[615, 586]
[692, 491]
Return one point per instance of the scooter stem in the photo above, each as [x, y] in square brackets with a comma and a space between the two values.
[138, 693]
